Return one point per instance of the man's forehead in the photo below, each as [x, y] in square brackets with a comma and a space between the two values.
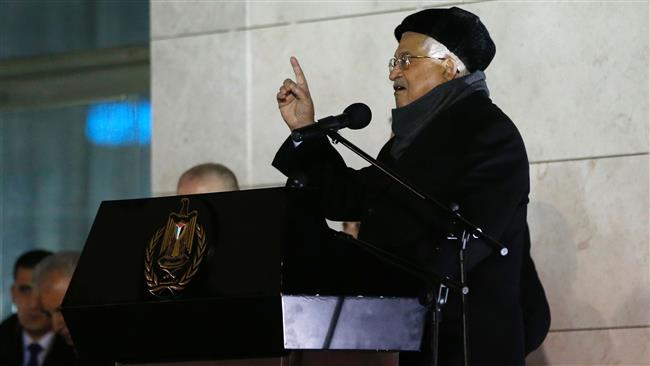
[24, 275]
[413, 42]
[54, 281]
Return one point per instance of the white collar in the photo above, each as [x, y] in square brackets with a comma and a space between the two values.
[45, 341]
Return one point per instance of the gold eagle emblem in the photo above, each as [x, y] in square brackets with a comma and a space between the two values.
[174, 253]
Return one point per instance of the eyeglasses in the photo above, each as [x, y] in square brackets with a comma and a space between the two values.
[404, 61]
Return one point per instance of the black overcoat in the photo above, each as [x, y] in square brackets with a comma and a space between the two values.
[470, 154]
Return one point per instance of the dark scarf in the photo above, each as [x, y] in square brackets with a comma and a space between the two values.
[409, 120]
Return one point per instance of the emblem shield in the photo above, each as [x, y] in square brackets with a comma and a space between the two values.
[174, 253]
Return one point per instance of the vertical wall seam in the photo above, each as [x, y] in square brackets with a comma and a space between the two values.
[249, 99]
[2, 217]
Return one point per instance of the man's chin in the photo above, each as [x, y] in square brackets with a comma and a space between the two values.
[36, 333]
[400, 101]
[36, 326]
[66, 336]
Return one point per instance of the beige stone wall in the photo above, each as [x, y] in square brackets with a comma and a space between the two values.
[573, 76]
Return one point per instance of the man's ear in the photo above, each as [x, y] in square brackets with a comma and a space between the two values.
[451, 71]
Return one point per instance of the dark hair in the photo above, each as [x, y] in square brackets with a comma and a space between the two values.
[30, 259]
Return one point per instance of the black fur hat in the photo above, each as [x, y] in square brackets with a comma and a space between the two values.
[460, 31]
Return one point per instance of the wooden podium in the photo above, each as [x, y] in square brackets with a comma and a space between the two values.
[251, 277]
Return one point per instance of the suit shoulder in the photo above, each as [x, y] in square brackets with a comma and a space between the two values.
[485, 124]
[478, 109]
[10, 341]
[9, 326]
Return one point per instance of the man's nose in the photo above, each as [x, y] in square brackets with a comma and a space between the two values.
[394, 73]
[32, 301]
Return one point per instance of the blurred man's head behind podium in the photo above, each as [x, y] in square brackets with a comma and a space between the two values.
[51, 279]
[207, 178]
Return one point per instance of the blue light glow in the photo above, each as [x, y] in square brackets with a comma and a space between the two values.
[119, 123]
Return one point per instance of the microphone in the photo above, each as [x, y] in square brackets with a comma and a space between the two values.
[355, 116]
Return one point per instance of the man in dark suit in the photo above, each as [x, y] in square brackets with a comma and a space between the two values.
[452, 142]
[26, 338]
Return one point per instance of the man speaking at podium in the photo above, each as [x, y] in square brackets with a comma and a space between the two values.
[451, 141]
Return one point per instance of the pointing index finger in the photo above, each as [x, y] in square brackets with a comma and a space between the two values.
[300, 76]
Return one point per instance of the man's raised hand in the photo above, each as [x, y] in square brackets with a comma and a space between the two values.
[294, 100]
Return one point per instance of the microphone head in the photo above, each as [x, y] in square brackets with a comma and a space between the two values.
[359, 115]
